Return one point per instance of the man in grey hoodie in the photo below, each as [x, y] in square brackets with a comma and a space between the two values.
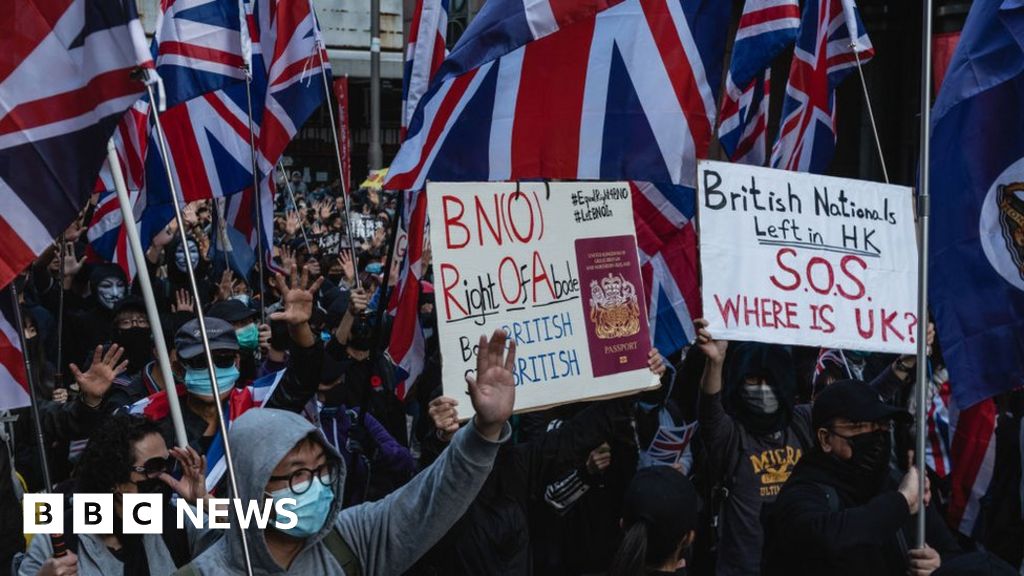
[279, 454]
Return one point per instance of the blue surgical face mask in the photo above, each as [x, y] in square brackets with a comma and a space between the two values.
[248, 337]
[243, 298]
[198, 381]
[311, 508]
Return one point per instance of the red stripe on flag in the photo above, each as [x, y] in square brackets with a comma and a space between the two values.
[23, 28]
[101, 88]
[201, 53]
[184, 150]
[974, 431]
[546, 133]
[680, 71]
[16, 254]
[13, 360]
[568, 11]
[448, 104]
[768, 14]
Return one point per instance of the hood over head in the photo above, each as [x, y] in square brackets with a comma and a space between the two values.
[263, 436]
[774, 364]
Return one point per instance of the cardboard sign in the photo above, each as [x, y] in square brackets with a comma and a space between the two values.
[554, 266]
[803, 259]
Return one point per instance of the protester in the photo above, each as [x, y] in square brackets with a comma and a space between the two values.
[126, 455]
[839, 513]
[659, 517]
[751, 451]
[383, 537]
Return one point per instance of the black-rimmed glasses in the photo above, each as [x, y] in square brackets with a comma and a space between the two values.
[300, 480]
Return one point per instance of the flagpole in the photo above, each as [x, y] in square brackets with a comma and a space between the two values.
[142, 274]
[58, 375]
[871, 114]
[291, 195]
[33, 401]
[320, 50]
[923, 208]
[256, 196]
[161, 140]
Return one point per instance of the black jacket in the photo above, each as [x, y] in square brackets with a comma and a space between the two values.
[805, 533]
[493, 537]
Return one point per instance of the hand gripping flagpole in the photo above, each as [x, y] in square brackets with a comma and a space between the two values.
[161, 140]
[142, 274]
[923, 208]
[321, 49]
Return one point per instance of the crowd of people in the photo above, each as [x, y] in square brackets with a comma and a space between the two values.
[749, 459]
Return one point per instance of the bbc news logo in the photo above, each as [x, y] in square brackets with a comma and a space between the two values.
[144, 513]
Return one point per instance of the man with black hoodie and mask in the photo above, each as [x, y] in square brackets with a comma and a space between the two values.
[840, 513]
[751, 449]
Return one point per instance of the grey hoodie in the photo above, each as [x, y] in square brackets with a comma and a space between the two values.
[387, 536]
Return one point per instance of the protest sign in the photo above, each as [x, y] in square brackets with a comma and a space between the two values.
[556, 267]
[804, 259]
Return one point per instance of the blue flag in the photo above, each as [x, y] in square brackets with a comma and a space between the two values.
[977, 180]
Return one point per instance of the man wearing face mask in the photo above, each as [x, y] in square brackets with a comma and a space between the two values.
[383, 537]
[243, 319]
[840, 513]
[753, 437]
[89, 322]
[199, 411]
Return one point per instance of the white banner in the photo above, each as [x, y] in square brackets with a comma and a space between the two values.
[803, 259]
[554, 266]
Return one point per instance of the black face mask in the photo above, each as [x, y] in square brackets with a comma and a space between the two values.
[138, 346]
[869, 465]
[152, 486]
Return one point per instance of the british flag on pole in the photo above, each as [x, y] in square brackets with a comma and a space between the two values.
[766, 28]
[424, 53]
[622, 92]
[66, 75]
[831, 39]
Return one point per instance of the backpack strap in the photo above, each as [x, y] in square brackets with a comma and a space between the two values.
[343, 553]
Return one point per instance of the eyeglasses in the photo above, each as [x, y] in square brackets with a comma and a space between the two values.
[136, 322]
[221, 360]
[156, 466]
[300, 480]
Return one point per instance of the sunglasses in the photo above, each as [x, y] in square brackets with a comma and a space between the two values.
[220, 360]
[156, 466]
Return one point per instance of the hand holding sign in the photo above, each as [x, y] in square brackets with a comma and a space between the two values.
[493, 389]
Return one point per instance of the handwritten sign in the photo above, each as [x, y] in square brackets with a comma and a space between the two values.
[803, 259]
[554, 266]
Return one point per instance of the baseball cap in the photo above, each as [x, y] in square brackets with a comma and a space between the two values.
[189, 341]
[665, 499]
[855, 401]
[230, 310]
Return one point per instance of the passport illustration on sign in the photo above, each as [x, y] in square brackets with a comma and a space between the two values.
[613, 304]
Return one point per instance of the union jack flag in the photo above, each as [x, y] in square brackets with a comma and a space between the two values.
[766, 28]
[198, 47]
[423, 54]
[623, 94]
[972, 461]
[830, 39]
[406, 345]
[667, 243]
[66, 79]
[13, 383]
[108, 240]
[937, 454]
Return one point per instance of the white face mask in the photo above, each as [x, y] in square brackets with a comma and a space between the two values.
[193, 255]
[109, 292]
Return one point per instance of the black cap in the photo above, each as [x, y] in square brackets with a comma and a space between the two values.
[130, 303]
[663, 498]
[855, 401]
[231, 310]
[189, 342]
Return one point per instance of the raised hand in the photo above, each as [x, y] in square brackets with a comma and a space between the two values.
[183, 302]
[72, 265]
[358, 301]
[493, 389]
[297, 299]
[445, 417]
[95, 382]
[291, 223]
[345, 259]
[713, 349]
[192, 484]
[287, 258]
[226, 286]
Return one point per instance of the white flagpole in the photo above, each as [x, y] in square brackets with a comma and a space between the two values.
[142, 273]
[850, 14]
[161, 140]
[923, 209]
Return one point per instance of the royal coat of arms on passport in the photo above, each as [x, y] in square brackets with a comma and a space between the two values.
[614, 307]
